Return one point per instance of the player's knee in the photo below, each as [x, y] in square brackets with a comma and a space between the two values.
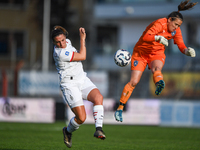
[98, 99]
[133, 83]
[155, 69]
[81, 119]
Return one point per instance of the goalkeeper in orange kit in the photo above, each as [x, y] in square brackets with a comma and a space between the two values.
[149, 50]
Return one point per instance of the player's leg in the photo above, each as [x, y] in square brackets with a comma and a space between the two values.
[75, 122]
[156, 68]
[138, 65]
[72, 96]
[98, 112]
[126, 93]
[91, 93]
[130, 86]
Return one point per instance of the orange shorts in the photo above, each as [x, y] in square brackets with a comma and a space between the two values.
[140, 60]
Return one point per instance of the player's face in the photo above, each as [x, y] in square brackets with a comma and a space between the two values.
[60, 41]
[174, 24]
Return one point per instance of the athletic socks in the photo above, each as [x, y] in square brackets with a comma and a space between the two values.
[157, 76]
[126, 93]
[98, 113]
[128, 89]
[72, 126]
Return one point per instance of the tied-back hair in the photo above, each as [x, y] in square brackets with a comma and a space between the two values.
[184, 5]
[57, 30]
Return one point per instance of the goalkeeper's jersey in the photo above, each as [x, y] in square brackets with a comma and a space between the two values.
[147, 43]
[64, 64]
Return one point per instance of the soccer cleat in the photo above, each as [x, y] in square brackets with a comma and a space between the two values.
[67, 138]
[118, 115]
[99, 134]
[160, 85]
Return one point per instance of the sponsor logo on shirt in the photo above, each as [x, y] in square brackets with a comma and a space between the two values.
[67, 53]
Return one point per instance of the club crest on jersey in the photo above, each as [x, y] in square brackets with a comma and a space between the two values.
[67, 53]
[135, 63]
[173, 33]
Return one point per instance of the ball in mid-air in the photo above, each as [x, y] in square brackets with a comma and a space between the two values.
[122, 57]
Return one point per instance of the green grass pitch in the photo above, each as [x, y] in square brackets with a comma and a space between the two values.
[40, 136]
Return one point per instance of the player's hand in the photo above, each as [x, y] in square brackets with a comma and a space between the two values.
[161, 40]
[190, 52]
[82, 33]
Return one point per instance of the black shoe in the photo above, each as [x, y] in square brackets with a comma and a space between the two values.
[67, 138]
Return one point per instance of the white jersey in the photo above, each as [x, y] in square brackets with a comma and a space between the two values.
[64, 64]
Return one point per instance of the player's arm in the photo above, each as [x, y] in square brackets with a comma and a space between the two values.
[81, 55]
[178, 39]
[152, 35]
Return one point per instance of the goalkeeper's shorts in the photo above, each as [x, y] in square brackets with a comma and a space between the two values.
[139, 60]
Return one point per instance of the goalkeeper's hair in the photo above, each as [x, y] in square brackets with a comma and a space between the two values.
[57, 30]
[184, 5]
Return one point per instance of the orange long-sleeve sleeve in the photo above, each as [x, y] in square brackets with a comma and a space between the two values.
[178, 39]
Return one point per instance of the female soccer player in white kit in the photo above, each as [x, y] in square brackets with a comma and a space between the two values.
[74, 83]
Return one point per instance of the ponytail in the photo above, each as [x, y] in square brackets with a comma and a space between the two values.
[184, 5]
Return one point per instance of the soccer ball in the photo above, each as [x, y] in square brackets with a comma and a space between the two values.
[122, 57]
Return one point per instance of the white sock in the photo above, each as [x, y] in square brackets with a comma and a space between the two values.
[98, 113]
[72, 126]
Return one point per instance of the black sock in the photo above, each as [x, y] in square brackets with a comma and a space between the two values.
[66, 130]
[98, 128]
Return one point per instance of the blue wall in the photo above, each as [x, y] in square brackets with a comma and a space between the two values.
[180, 113]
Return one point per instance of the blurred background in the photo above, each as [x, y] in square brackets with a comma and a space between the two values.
[27, 66]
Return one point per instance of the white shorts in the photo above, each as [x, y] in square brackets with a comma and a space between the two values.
[74, 91]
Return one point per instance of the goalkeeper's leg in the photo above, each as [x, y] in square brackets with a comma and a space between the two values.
[159, 82]
[156, 66]
[126, 93]
[128, 89]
